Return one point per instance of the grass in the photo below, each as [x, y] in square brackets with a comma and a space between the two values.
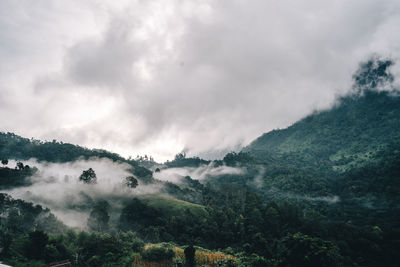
[172, 206]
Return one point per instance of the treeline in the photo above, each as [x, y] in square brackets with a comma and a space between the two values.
[19, 176]
[13, 146]
[236, 221]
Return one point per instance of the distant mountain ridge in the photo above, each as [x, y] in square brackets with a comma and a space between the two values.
[16, 147]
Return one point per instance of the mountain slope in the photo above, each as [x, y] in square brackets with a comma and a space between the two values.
[349, 135]
[16, 147]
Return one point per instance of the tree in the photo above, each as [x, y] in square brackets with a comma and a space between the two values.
[88, 176]
[373, 74]
[135, 215]
[20, 165]
[190, 252]
[35, 246]
[157, 253]
[98, 219]
[180, 156]
[4, 162]
[131, 182]
[302, 250]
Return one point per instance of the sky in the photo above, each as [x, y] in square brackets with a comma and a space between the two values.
[161, 77]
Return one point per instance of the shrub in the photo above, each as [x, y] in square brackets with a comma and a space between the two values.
[158, 254]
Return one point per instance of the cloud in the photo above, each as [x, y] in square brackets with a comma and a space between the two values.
[158, 77]
[57, 186]
[175, 175]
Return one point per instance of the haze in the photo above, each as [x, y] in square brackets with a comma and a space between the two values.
[161, 77]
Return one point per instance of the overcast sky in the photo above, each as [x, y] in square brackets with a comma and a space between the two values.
[159, 77]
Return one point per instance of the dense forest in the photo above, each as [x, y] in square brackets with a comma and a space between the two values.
[322, 192]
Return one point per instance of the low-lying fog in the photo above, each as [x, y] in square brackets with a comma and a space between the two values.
[175, 175]
[57, 186]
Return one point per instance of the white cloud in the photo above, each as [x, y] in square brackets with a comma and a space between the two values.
[175, 175]
[157, 77]
[57, 186]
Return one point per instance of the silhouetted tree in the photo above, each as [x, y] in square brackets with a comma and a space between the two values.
[131, 182]
[190, 252]
[373, 73]
[88, 176]
[20, 165]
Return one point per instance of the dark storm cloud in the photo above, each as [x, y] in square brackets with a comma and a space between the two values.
[162, 76]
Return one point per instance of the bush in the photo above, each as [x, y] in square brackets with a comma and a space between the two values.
[158, 254]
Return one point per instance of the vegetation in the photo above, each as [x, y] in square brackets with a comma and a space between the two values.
[323, 192]
[88, 176]
[16, 177]
[131, 182]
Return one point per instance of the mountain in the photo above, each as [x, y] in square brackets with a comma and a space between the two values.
[16, 147]
[322, 192]
[351, 134]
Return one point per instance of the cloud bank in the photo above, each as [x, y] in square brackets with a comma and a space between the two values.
[57, 186]
[175, 175]
[159, 77]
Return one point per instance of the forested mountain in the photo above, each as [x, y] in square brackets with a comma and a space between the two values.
[16, 147]
[322, 192]
[349, 152]
[348, 155]
[349, 135]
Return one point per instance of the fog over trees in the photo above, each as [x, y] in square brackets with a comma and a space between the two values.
[200, 133]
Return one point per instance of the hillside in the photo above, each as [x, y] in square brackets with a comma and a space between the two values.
[349, 135]
[16, 147]
[323, 192]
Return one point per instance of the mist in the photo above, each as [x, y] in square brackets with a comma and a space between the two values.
[328, 199]
[171, 75]
[175, 175]
[57, 186]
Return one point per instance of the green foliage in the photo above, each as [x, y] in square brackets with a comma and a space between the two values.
[35, 247]
[88, 176]
[182, 161]
[16, 177]
[131, 182]
[157, 253]
[253, 260]
[23, 217]
[302, 250]
[171, 206]
[233, 158]
[14, 146]
[225, 263]
[323, 192]
[145, 175]
[372, 74]
[116, 250]
[136, 214]
[98, 219]
[349, 135]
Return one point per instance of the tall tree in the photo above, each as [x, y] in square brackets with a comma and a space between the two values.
[98, 219]
[190, 252]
